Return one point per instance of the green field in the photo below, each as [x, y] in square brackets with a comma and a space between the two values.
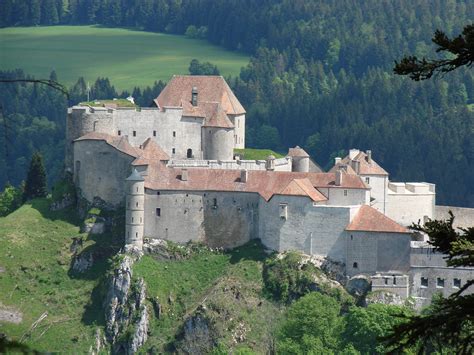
[128, 57]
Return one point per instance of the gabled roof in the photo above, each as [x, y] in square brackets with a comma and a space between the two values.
[346, 167]
[265, 183]
[302, 187]
[151, 151]
[210, 89]
[120, 142]
[368, 219]
[366, 167]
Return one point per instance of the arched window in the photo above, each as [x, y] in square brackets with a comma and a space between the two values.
[355, 266]
[189, 153]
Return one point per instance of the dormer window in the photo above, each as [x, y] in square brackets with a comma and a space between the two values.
[194, 96]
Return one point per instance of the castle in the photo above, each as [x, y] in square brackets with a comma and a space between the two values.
[173, 167]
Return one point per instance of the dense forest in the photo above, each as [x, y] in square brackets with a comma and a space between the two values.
[320, 76]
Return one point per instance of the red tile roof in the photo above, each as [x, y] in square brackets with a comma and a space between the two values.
[346, 167]
[211, 90]
[303, 187]
[151, 151]
[119, 142]
[368, 219]
[266, 183]
[366, 167]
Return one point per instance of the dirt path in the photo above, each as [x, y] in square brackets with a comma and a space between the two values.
[9, 314]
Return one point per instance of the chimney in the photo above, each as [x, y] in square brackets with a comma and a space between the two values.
[353, 153]
[184, 175]
[338, 177]
[270, 162]
[194, 96]
[356, 166]
[369, 156]
[337, 160]
[244, 174]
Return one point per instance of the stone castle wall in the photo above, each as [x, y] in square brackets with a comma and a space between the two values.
[373, 252]
[220, 219]
[100, 170]
[463, 217]
[178, 136]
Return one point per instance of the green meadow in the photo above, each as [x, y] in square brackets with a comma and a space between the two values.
[127, 57]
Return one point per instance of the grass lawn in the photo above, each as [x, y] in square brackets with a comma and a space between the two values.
[127, 57]
[35, 257]
[256, 154]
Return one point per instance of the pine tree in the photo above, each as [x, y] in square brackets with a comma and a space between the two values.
[35, 185]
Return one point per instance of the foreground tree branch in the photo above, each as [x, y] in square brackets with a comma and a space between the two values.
[449, 322]
[461, 47]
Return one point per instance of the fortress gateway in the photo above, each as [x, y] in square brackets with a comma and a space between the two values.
[174, 168]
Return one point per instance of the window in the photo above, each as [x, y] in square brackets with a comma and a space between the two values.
[355, 266]
[214, 202]
[136, 204]
[424, 282]
[173, 151]
[136, 234]
[174, 133]
[457, 283]
[352, 237]
[283, 211]
[157, 192]
[158, 212]
[134, 133]
[394, 280]
[386, 280]
[132, 219]
[119, 133]
[345, 192]
[367, 180]
[439, 282]
[189, 153]
[154, 133]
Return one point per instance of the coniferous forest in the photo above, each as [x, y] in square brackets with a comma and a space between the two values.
[320, 76]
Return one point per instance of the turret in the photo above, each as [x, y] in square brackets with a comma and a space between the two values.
[270, 162]
[135, 210]
[299, 160]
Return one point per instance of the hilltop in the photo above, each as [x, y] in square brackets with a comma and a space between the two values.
[197, 299]
[128, 57]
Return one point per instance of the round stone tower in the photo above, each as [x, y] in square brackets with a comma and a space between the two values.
[135, 210]
[299, 160]
[82, 120]
[219, 144]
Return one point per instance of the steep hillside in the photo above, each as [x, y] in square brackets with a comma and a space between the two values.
[36, 279]
[55, 293]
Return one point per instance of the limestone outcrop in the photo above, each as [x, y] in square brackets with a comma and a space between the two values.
[126, 313]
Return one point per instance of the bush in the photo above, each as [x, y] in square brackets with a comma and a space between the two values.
[10, 199]
[287, 279]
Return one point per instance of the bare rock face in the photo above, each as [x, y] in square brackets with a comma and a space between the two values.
[358, 285]
[67, 201]
[82, 262]
[125, 309]
[198, 337]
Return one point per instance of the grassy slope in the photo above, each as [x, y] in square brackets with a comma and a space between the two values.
[34, 250]
[257, 154]
[129, 58]
[181, 286]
